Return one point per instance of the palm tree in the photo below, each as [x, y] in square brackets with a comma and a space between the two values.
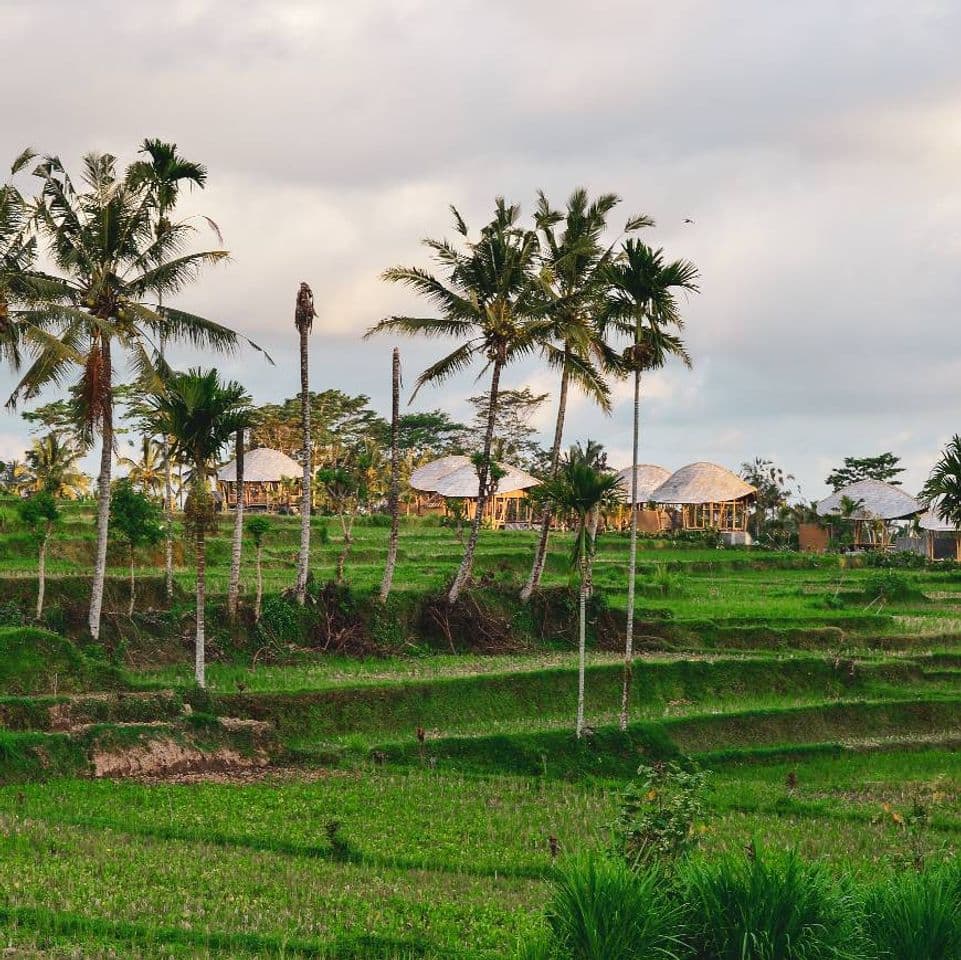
[580, 489]
[490, 298]
[52, 466]
[17, 256]
[304, 314]
[38, 513]
[233, 588]
[148, 471]
[200, 415]
[394, 496]
[943, 487]
[163, 173]
[571, 266]
[641, 303]
[110, 256]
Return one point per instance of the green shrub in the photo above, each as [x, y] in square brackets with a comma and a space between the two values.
[600, 909]
[11, 614]
[755, 908]
[914, 916]
[281, 621]
[896, 560]
[887, 585]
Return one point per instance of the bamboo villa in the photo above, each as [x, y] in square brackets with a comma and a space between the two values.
[871, 506]
[705, 496]
[942, 537]
[272, 481]
[650, 518]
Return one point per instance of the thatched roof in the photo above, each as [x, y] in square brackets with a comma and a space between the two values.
[427, 477]
[463, 481]
[649, 477]
[262, 465]
[702, 483]
[878, 501]
[929, 520]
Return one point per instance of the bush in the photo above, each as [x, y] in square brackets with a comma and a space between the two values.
[914, 916]
[752, 908]
[896, 560]
[887, 585]
[281, 622]
[602, 910]
[11, 614]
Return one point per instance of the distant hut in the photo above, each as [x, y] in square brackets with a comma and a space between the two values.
[875, 506]
[272, 481]
[455, 478]
[650, 519]
[423, 481]
[708, 497]
[942, 537]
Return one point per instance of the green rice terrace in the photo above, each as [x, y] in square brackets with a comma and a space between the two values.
[401, 781]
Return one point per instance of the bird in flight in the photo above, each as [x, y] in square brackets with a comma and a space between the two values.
[688, 220]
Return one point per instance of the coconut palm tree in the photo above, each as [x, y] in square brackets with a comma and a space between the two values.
[109, 258]
[572, 263]
[943, 487]
[18, 250]
[163, 173]
[579, 489]
[52, 466]
[148, 471]
[641, 303]
[491, 299]
[394, 495]
[304, 314]
[233, 588]
[201, 415]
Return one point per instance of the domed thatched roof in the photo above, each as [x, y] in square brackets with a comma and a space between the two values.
[463, 481]
[649, 477]
[262, 465]
[702, 482]
[427, 477]
[929, 520]
[878, 501]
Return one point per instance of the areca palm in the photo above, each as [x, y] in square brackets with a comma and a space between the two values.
[942, 490]
[200, 415]
[641, 303]
[580, 488]
[572, 263]
[490, 299]
[163, 172]
[110, 257]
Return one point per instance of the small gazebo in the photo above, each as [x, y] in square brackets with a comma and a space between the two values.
[272, 481]
[874, 506]
[649, 477]
[708, 497]
[455, 478]
[942, 537]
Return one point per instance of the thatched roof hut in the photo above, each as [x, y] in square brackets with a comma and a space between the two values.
[462, 482]
[929, 520]
[942, 537]
[649, 477]
[710, 497]
[264, 471]
[426, 478]
[877, 501]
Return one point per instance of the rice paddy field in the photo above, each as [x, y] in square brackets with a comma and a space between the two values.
[820, 693]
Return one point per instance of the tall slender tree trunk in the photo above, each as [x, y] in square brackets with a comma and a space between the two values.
[394, 479]
[133, 584]
[632, 562]
[467, 563]
[540, 556]
[595, 519]
[233, 588]
[581, 647]
[42, 571]
[103, 498]
[258, 599]
[168, 519]
[305, 500]
[200, 663]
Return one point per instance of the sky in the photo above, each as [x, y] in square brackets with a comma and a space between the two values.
[816, 147]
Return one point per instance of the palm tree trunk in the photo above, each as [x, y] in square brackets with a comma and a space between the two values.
[394, 480]
[540, 556]
[133, 588]
[233, 589]
[200, 665]
[42, 571]
[595, 520]
[467, 563]
[632, 562]
[168, 519]
[303, 561]
[581, 649]
[103, 499]
[260, 583]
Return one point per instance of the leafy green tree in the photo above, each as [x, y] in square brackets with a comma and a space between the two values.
[38, 513]
[942, 490]
[490, 300]
[430, 434]
[514, 441]
[884, 467]
[257, 528]
[201, 415]
[109, 259]
[342, 488]
[138, 521]
[579, 489]
[640, 302]
[572, 262]
[773, 488]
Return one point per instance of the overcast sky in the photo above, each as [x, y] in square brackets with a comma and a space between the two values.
[817, 147]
